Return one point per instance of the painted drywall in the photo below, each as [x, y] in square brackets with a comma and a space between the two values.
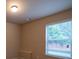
[13, 34]
[33, 34]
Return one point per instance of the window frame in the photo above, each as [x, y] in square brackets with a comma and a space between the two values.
[53, 23]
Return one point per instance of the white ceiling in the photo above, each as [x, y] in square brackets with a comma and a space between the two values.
[35, 9]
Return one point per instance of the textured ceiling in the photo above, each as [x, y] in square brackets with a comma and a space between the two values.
[34, 9]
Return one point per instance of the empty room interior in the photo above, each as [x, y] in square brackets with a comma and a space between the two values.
[38, 29]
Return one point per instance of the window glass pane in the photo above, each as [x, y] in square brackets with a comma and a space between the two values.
[58, 39]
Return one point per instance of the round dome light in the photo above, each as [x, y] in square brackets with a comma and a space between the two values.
[14, 8]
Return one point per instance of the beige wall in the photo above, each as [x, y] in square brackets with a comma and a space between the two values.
[12, 39]
[33, 34]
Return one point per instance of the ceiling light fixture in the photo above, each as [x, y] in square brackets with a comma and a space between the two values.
[14, 8]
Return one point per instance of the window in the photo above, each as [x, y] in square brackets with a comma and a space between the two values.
[58, 39]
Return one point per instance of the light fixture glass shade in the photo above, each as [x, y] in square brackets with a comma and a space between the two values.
[14, 8]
